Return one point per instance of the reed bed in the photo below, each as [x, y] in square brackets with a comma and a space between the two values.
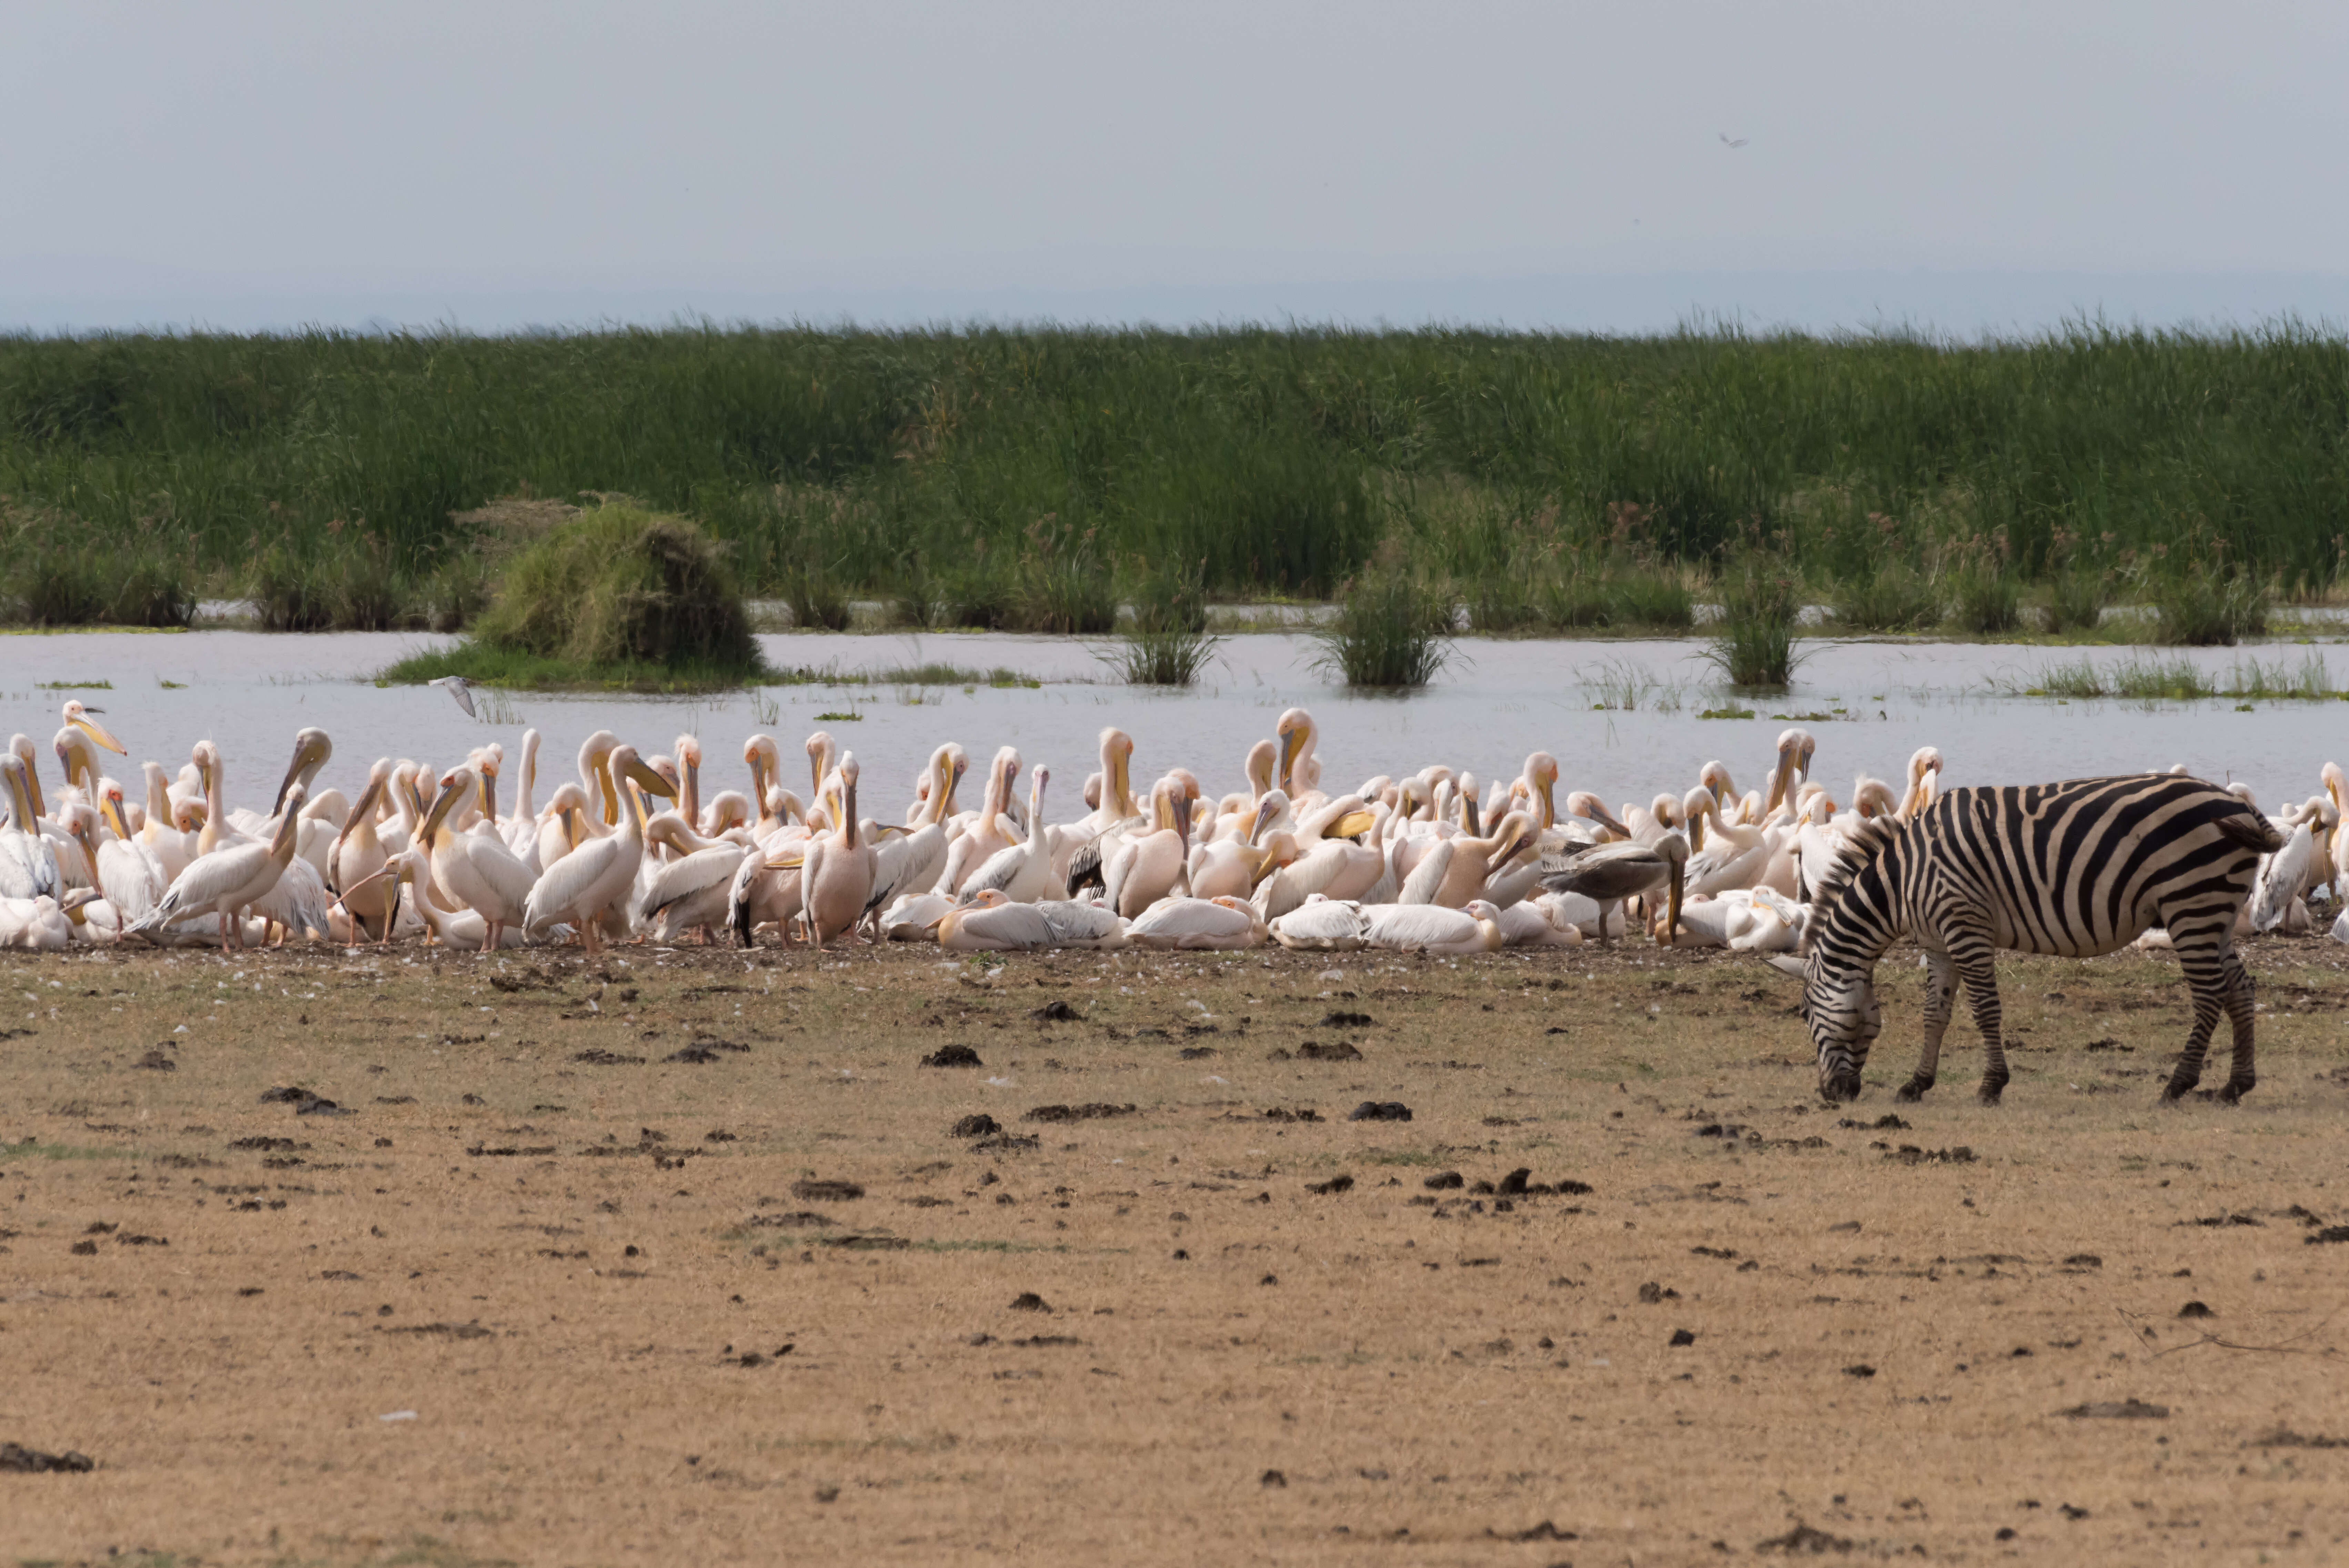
[989, 477]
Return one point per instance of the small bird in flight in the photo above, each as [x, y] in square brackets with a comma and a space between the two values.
[459, 687]
[1739, 142]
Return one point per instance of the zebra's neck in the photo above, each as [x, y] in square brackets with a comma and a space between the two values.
[1867, 916]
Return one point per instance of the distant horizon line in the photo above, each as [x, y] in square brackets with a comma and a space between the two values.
[1955, 305]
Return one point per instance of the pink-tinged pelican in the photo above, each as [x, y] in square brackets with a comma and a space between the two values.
[836, 874]
[229, 880]
[1219, 924]
[992, 923]
[476, 869]
[584, 884]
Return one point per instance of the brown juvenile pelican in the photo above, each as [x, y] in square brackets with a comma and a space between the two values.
[1609, 873]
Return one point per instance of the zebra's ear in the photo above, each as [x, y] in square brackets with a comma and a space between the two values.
[1784, 964]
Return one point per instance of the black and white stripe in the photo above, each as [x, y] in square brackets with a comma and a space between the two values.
[2076, 869]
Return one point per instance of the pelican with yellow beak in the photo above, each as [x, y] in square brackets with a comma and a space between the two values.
[578, 889]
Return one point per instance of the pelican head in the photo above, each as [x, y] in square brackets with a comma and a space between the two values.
[1294, 736]
[78, 717]
[595, 773]
[1268, 812]
[1262, 759]
[311, 750]
[1540, 779]
[20, 747]
[76, 758]
[117, 811]
[1583, 804]
[823, 755]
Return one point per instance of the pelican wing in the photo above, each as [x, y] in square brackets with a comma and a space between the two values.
[1405, 927]
[1607, 872]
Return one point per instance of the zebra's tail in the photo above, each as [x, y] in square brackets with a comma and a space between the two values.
[2253, 831]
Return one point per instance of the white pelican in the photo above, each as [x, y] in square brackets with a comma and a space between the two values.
[561, 827]
[993, 923]
[227, 880]
[1320, 925]
[690, 892]
[909, 862]
[1433, 927]
[521, 826]
[1233, 866]
[978, 835]
[584, 883]
[915, 917]
[1216, 924]
[127, 874]
[1728, 854]
[1540, 922]
[1611, 873]
[36, 925]
[1475, 860]
[1924, 769]
[475, 868]
[28, 864]
[1023, 872]
[370, 903]
[1147, 868]
[837, 868]
[1296, 771]
[161, 833]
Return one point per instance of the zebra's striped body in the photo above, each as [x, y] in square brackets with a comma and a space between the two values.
[2076, 869]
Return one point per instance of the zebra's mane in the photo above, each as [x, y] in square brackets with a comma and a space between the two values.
[1861, 845]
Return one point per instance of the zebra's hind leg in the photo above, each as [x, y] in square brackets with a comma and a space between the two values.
[1940, 986]
[1975, 960]
[2244, 1079]
[2204, 959]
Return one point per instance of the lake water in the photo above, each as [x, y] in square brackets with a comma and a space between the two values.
[249, 692]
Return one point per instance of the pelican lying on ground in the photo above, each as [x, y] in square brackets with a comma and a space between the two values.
[993, 923]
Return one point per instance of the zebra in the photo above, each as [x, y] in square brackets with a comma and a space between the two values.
[2076, 869]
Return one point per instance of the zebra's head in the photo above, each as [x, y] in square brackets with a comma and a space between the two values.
[1840, 1008]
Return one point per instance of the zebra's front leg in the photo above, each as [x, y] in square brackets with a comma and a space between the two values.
[1975, 962]
[1940, 984]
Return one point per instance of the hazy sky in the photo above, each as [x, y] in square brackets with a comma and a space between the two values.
[498, 164]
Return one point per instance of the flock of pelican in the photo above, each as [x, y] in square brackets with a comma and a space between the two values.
[1433, 861]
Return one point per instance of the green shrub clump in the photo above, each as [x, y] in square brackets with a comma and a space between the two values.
[620, 588]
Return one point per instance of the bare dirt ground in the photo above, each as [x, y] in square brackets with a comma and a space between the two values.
[681, 1256]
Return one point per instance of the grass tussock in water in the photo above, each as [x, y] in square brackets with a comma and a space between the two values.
[1168, 643]
[618, 595]
[1754, 641]
[1393, 629]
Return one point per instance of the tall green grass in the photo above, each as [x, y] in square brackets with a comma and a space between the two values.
[990, 476]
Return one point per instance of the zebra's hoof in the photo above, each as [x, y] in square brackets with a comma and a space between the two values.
[2178, 1089]
[1913, 1090]
[2236, 1089]
[1991, 1090]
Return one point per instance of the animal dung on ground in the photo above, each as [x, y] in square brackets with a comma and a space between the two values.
[1909, 1154]
[156, 1062]
[979, 1125]
[953, 1057]
[1028, 1301]
[1339, 1018]
[18, 1460]
[1859, 1370]
[1336, 1051]
[602, 1058]
[826, 1191]
[1804, 1541]
[1650, 1293]
[2196, 1309]
[1056, 1012]
[2130, 1410]
[1274, 1478]
[1380, 1111]
[1682, 1337]
[1340, 1183]
[1087, 1113]
[1444, 1181]
[2330, 1233]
